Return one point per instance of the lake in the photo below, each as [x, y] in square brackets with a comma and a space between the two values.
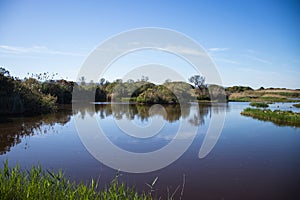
[251, 159]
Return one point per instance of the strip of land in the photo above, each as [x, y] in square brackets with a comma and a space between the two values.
[247, 94]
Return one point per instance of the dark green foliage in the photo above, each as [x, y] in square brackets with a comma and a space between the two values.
[277, 116]
[61, 89]
[259, 104]
[38, 184]
[297, 105]
[17, 97]
[31, 96]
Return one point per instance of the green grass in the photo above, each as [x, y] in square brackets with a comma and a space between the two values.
[278, 117]
[297, 105]
[38, 184]
[259, 104]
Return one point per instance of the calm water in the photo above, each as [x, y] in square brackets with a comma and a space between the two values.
[252, 159]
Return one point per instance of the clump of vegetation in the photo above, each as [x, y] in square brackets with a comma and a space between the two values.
[158, 94]
[217, 93]
[34, 95]
[38, 184]
[297, 105]
[259, 104]
[277, 116]
[23, 97]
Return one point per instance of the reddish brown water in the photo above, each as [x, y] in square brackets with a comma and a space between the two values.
[252, 159]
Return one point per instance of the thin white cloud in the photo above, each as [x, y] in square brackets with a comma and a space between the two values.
[252, 51]
[185, 50]
[217, 49]
[34, 50]
[255, 55]
[262, 60]
[257, 72]
[226, 60]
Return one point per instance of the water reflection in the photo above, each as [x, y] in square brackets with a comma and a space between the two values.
[13, 132]
[142, 112]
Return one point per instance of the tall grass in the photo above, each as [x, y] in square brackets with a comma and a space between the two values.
[38, 184]
[277, 116]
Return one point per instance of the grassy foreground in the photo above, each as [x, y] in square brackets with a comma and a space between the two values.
[37, 184]
[277, 116]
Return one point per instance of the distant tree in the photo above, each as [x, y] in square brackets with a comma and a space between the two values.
[102, 81]
[82, 80]
[197, 80]
[130, 81]
[45, 76]
[4, 72]
[145, 78]
[119, 81]
[168, 80]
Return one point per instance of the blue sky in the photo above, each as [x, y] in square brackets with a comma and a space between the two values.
[253, 43]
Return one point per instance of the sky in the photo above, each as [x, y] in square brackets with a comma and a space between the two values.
[252, 42]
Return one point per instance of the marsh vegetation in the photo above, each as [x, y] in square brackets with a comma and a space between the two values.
[36, 183]
[259, 104]
[278, 117]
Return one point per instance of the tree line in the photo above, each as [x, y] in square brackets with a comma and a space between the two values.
[39, 93]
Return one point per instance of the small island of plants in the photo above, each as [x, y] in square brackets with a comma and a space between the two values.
[259, 104]
[278, 117]
[297, 105]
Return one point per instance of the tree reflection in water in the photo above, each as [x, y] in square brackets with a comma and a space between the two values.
[11, 133]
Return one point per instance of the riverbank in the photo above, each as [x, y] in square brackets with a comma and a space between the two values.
[38, 184]
[278, 117]
[263, 95]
